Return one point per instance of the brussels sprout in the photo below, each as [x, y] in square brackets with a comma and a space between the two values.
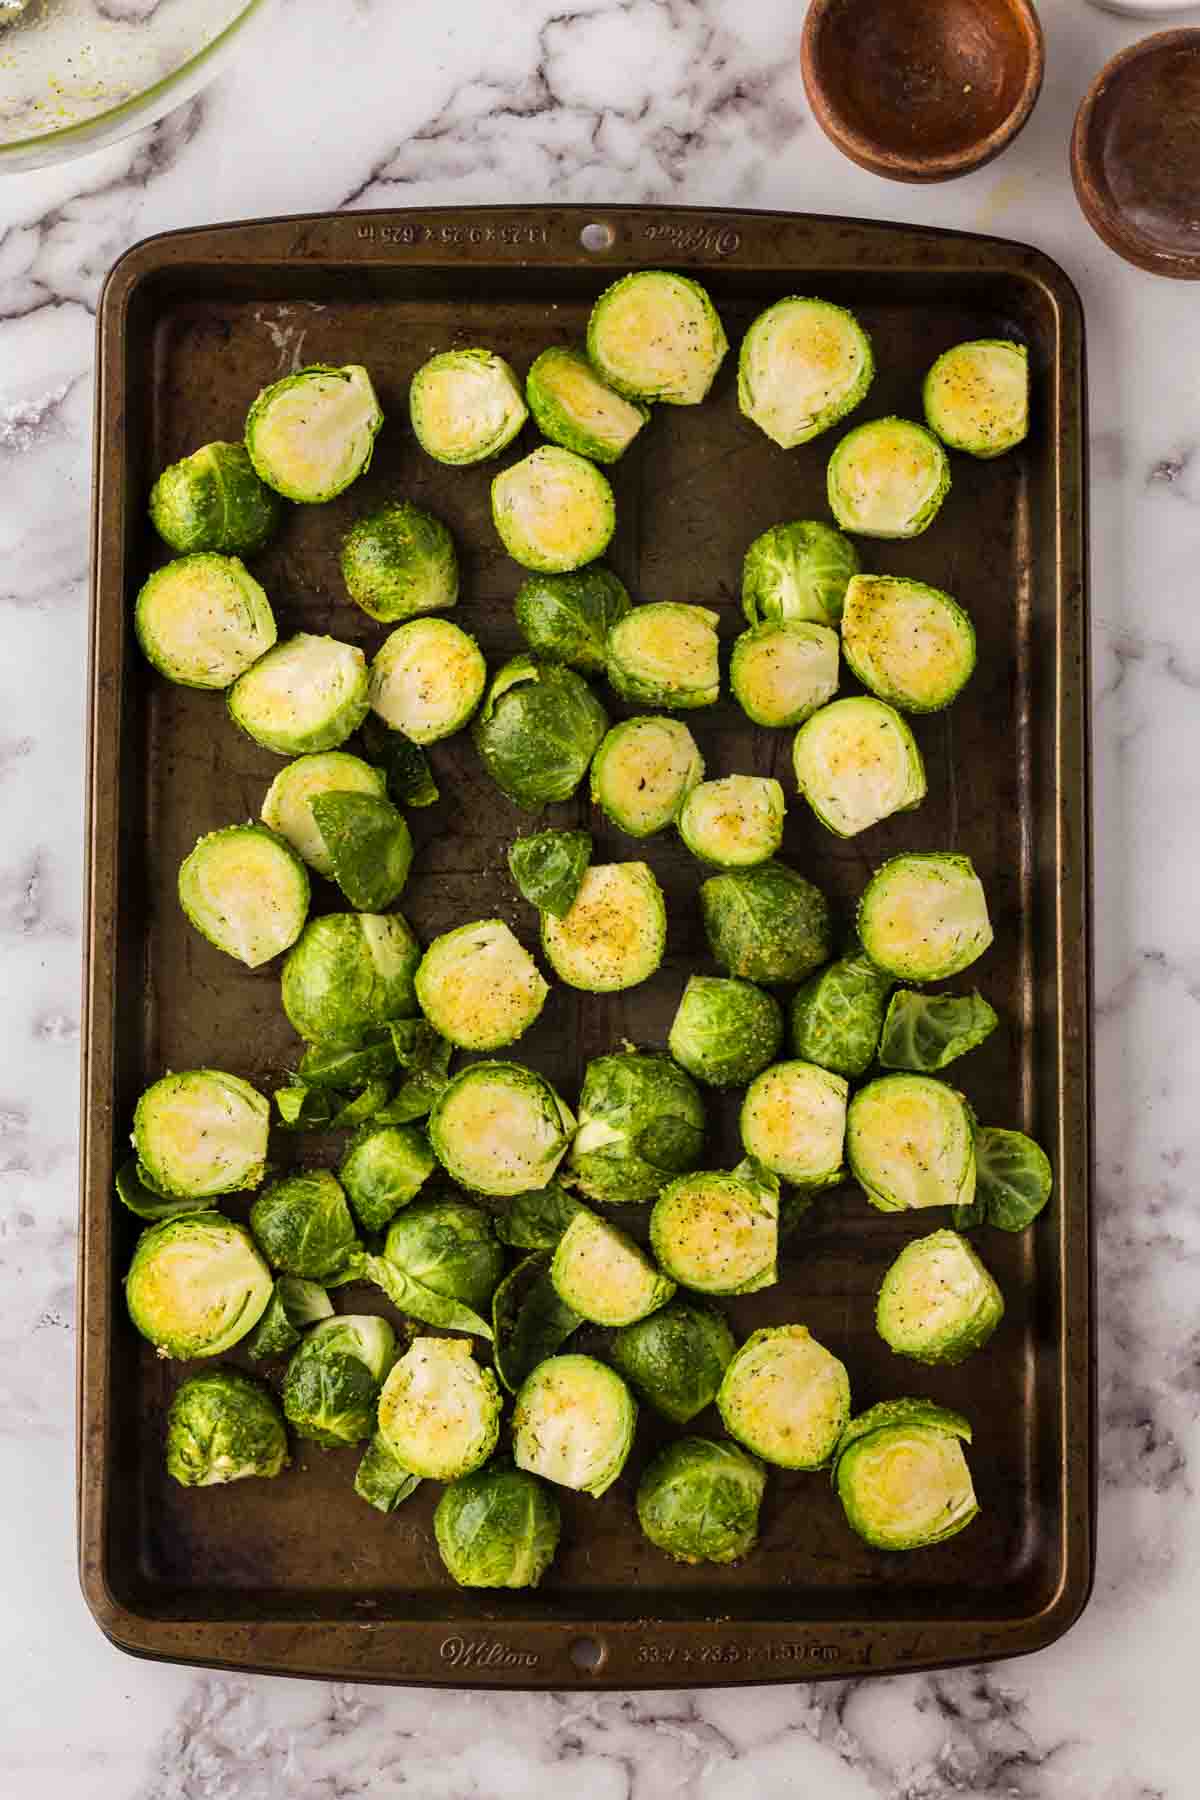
[725, 1032]
[573, 1424]
[479, 986]
[786, 1397]
[348, 974]
[615, 933]
[427, 679]
[567, 618]
[224, 1426]
[804, 364]
[424, 1057]
[1013, 1177]
[718, 1233]
[976, 396]
[549, 867]
[857, 763]
[766, 924]
[313, 433]
[666, 655]
[573, 407]
[901, 1475]
[145, 1202]
[497, 1528]
[340, 1066]
[213, 501]
[440, 1264]
[332, 1385]
[699, 1501]
[909, 643]
[793, 1122]
[784, 669]
[643, 772]
[676, 1357]
[537, 731]
[500, 1129]
[196, 1285]
[399, 561]
[439, 1412]
[381, 1480]
[287, 807]
[303, 1227]
[537, 1219]
[553, 510]
[910, 1141]
[641, 1121]
[246, 891]
[384, 1168]
[938, 1303]
[836, 1017]
[604, 1276]
[887, 479]
[465, 406]
[307, 694]
[410, 780]
[294, 1303]
[529, 1320]
[655, 335]
[924, 917]
[734, 823]
[798, 572]
[203, 621]
[201, 1132]
[926, 1031]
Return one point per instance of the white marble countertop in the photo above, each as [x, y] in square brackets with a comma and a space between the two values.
[700, 101]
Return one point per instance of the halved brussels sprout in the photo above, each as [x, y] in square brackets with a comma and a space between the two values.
[537, 731]
[910, 1141]
[203, 620]
[926, 1031]
[385, 1167]
[313, 433]
[427, 679]
[798, 571]
[676, 1357]
[734, 823]
[537, 1219]
[1013, 1176]
[213, 500]
[573, 407]
[786, 1397]
[604, 1276]
[381, 1480]
[554, 510]
[784, 669]
[924, 917]
[615, 933]
[294, 1303]
[567, 618]
[725, 1032]
[500, 1129]
[766, 924]
[332, 1385]
[643, 772]
[307, 694]
[348, 974]
[497, 1528]
[909, 643]
[719, 1233]
[202, 1132]
[439, 1412]
[804, 364]
[465, 406]
[529, 1320]
[857, 763]
[369, 845]
[641, 1121]
[400, 561]
[479, 987]
[196, 1285]
[901, 1475]
[224, 1426]
[549, 867]
[654, 335]
[246, 891]
[976, 396]
[887, 479]
[573, 1424]
[699, 1501]
[287, 807]
[666, 655]
[303, 1226]
[938, 1303]
[441, 1263]
[837, 1016]
[793, 1122]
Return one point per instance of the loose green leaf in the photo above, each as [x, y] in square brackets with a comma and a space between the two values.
[369, 846]
[1013, 1177]
[405, 767]
[425, 1056]
[536, 1220]
[529, 1321]
[137, 1193]
[966, 1218]
[420, 1302]
[304, 1108]
[926, 1031]
[348, 1065]
[274, 1335]
[366, 1104]
[382, 1481]
[549, 867]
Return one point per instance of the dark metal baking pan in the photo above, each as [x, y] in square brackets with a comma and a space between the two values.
[297, 1575]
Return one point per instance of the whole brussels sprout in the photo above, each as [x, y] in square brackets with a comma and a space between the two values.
[203, 621]
[331, 1388]
[641, 1122]
[725, 1032]
[399, 561]
[573, 407]
[224, 1426]
[201, 1132]
[440, 1264]
[497, 1528]
[348, 974]
[803, 365]
[798, 571]
[766, 924]
[313, 433]
[676, 1357]
[699, 1501]
[901, 1475]
[537, 731]
[837, 1015]
[196, 1285]
[567, 618]
[303, 1227]
[213, 500]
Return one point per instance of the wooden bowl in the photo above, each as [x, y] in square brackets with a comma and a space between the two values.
[922, 90]
[1135, 154]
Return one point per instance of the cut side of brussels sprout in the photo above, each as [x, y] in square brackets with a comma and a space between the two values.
[538, 730]
[553, 510]
[798, 571]
[246, 891]
[909, 643]
[938, 1303]
[910, 1141]
[529, 1320]
[666, 655]
[604, 1276]
[573, 1424]
[224, 1426]
[307, 694]
[734, 823]
[766, 924]
[439, 1412]
[786, 1397]
[500, 1129]
[902, 1477]
[567, 618]
[793, 1122]
[441, 1262]
[924, 917]
[1014, 1177]
[465, 406]
[725, 1032]
[977, 396]
[837, 1016]
[368, 844]
[857, 763]
[479, 987]
[400, 561]
[427, 679]
[213, 500]
[202, 1132]
[804, 364]
[384, 1168]
[497, 1528]
[287, 807]
[924, 1032]
[537, 1219]
[718, 1233]
[656, 336]
[887, 479]
[643, 772]
[196, 1285]
[331, 1388]
[699, 1501]
[203, 620]
[303, 1226]
[615, 933]
[784, 669]
[381, 1481]
[641, 1121]
[675, 1358]
[313, 433]
[573, 407]
[348, 974]
[549, 867]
